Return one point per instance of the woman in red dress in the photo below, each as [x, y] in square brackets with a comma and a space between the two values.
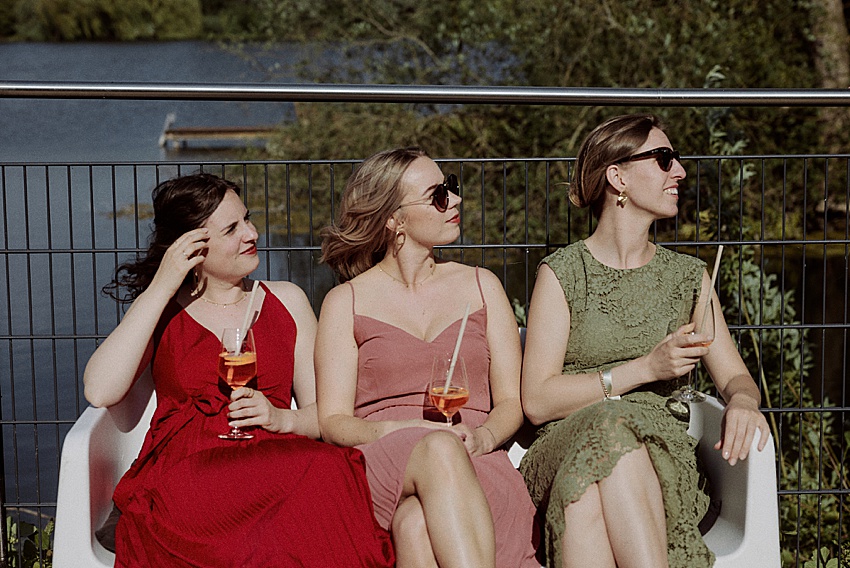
[192, 499]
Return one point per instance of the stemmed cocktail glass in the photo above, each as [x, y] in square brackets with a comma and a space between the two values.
[237, 365]
[448, 389]
[703, 319]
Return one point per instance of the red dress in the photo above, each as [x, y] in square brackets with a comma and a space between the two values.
[192, 499]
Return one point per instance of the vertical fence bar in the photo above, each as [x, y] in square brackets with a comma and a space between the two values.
[4, 538]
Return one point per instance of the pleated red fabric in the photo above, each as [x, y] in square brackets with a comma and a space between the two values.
[277, 500]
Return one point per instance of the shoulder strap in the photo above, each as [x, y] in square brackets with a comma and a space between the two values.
[480, 291]
[352, 297]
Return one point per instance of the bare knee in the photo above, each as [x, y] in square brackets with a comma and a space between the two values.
[439, 457]
[409, 520]
[442, 450]
[410, 536]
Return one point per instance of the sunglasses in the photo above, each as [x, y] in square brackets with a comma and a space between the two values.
[440, 198]
[664, 156]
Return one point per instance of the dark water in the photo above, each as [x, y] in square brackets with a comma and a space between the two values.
[97, 130]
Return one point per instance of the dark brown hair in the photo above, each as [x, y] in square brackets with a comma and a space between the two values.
[615, 139]
[179, 205]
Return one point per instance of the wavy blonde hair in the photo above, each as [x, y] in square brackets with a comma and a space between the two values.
[359, 238]
[613, 140]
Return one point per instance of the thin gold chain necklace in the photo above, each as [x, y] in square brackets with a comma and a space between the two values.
[406, 285]
[242, 297]
[224, 305]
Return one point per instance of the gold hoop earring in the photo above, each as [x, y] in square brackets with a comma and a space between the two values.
[403, 236]
[622, 198]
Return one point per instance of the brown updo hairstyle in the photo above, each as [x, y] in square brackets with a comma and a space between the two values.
[615, 139]
[359, 239]
[179, 205]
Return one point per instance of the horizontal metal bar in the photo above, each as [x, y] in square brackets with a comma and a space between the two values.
[780, 410]
[38, 422]
[442, 94]
[732, 327]
[818, 409]
[813, 492]
[204, 163]
[472, 246]
[790, 326]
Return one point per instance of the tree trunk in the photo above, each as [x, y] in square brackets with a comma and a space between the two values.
[832, 60]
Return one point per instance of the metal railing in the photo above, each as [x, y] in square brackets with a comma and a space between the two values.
[445, 94]
[784, 287]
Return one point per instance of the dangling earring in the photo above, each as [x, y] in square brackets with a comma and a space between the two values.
[399, 236]
[196, 285]
[622, 198]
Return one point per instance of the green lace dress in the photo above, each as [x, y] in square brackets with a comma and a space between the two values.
[616, 316]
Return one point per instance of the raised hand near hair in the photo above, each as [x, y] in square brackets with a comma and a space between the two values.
[123, 355]
[183, 255]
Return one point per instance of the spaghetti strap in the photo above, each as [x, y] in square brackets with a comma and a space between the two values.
[480, 291]
[352, 297]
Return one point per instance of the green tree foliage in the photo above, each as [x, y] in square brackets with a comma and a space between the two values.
[104, 20]
[229, 20]
[584, 43]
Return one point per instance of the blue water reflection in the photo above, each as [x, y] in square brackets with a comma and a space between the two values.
[100, 130]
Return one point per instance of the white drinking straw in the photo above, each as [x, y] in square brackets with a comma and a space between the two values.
[248, 313]
[711, 287]
[457, 349]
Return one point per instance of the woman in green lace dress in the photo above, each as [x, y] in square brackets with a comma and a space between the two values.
[617, 478]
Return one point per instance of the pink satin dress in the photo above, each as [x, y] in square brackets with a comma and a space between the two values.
[394, 369]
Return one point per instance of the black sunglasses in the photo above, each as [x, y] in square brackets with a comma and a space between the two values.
[440, 198]
[664, 156]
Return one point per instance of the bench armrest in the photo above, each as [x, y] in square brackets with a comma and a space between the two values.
[96, 452]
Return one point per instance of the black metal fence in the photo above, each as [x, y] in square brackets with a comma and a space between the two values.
[784, 285]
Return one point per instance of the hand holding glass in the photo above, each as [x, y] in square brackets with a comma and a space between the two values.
[703, 319]
[448, 394]
[237, 364]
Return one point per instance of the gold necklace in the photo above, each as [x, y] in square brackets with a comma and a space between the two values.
[406, 285]
[242, 297]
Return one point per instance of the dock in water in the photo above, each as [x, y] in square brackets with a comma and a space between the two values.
[179, 137]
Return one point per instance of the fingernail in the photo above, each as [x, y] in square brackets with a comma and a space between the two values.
[725, 455]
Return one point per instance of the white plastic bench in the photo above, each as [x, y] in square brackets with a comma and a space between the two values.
[746, 534]
[97, 451]
[103, 443]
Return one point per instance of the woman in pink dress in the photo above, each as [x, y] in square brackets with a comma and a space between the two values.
[448, 493]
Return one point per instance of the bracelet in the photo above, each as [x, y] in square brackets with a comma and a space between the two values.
[605, 390]
[606, 379]
[495, 445]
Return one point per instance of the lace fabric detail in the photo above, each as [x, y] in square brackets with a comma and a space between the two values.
[616, 316]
